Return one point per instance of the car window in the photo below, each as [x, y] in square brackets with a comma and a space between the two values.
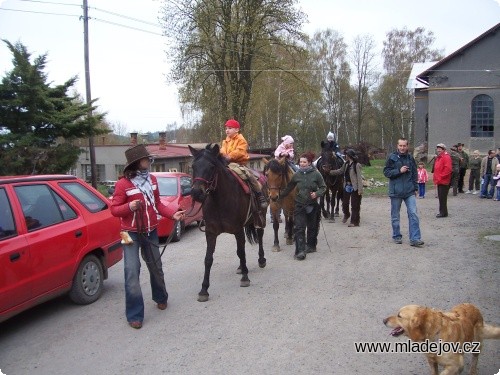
[7, 227]
[42, 206]
[86, 197]
[185, 184]
[167, 186]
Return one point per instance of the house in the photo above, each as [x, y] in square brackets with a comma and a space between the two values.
[169, 157]
[457, 100]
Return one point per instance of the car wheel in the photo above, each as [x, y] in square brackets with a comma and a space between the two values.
[177, 231]
[88, 281]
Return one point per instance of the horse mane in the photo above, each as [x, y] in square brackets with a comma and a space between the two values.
[275, 166]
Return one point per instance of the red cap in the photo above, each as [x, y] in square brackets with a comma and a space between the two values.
[232, 124]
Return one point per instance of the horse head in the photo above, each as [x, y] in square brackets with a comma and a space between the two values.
[204, 167]
[328, 158]
[277, 173]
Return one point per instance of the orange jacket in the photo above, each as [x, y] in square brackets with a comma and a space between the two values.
[236, 148]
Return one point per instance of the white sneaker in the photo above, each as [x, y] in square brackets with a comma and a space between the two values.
[474, 192]
[468, 192]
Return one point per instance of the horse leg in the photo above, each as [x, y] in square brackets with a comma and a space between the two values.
[276, 227]
[240, 250]
[289, 230]
[322, 202]
[262, 259]
[209, 259]
[338, 197]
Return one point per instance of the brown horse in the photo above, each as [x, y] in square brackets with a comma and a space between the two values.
[334, 184]
[278, 174]
[227, 208]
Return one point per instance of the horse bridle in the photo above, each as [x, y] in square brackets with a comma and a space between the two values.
[284, 177]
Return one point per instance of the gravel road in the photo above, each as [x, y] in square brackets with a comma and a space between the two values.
[295, 318]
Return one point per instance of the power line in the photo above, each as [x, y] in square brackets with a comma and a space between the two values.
[48, 13]
[128, 27]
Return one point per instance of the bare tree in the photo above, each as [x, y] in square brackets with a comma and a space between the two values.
[221, 46]
[363, 60]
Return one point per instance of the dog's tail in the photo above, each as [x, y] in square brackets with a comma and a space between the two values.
[490, 332]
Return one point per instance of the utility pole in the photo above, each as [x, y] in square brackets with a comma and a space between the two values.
[93, 167]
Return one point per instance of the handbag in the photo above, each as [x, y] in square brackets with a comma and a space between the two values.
[349, 189]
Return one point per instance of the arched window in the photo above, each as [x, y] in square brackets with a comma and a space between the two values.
[481, 117]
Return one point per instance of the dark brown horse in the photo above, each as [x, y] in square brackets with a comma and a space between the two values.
[226, 209]
[330, 202]
[278, 175]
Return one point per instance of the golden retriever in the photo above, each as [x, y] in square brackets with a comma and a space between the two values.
[463, 324]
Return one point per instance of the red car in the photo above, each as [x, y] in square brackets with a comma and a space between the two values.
[175, 189]
[57, 236]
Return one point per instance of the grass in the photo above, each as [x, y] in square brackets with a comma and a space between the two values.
[375, 172]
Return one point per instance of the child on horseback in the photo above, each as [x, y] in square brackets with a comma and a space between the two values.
[285, 149]
[235, 150]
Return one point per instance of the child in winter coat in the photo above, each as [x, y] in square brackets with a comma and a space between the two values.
[423, 177]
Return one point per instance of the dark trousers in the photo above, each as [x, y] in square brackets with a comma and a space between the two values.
[443, 199]
[306, 217]
[461, 175]
[355, 199]
[474, 180]
[454, 180]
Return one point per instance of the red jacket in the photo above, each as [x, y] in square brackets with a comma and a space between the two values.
[442, 169]
[126, 192]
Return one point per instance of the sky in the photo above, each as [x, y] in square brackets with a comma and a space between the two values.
[128, 62]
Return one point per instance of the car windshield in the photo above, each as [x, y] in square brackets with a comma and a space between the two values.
[167, 186]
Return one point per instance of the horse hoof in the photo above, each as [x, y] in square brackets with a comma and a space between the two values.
[331, 220]
[276, 249]
[244, 283]
[202, 298]
[289, 241]
[262, 264]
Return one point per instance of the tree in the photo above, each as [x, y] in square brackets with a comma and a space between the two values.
[221, 46]
[401, 50]
[37, 121]
[363, 60]
[332, 72]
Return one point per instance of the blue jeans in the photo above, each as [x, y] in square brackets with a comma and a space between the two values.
[411, 209]
[488, 181]
[421, 189]
[134, 303]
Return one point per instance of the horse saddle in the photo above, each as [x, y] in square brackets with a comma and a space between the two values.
[239, 172]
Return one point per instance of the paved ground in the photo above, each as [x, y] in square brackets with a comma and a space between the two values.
[295, 318]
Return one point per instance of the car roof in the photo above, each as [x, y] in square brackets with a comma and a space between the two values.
[34, 178]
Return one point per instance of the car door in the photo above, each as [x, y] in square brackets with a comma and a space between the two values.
[55, 235]
[14, 258]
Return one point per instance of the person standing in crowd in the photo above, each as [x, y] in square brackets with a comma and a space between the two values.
[488, 167]
[464, 165]
[455, 168]
[442, 177]
[475, 176]
[310, 186]
[136, 201]
[353, 187]
[401, 170]
[496, 178]
[235, 150]
[423, 177]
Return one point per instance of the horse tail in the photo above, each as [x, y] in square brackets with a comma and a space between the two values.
[251, 233]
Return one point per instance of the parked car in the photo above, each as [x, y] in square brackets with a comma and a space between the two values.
[57, 236]
[175, 189]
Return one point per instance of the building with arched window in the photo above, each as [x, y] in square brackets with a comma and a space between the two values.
[457, 100]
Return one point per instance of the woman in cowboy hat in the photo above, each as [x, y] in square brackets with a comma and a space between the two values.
[136, 201]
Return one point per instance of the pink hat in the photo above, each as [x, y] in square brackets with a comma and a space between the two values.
[287, 140]
[232, 124]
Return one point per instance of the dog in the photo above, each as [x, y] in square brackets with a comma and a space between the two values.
[463, 324]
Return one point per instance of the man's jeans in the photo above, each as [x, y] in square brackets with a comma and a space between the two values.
[488, 182]
[411, 209]
[134, 302]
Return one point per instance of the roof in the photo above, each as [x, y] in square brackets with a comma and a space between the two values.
[413, 81]
[424, 75]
